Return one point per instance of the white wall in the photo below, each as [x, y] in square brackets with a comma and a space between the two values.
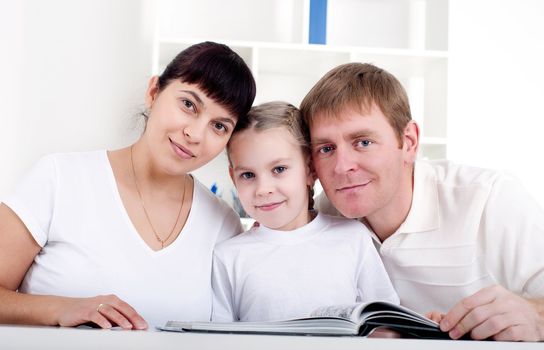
[74, 72]
[10, 96]
[496, 87]
[73, 77]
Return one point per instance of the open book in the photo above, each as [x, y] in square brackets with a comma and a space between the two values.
[354, 319]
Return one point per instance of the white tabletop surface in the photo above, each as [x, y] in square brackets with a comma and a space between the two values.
[28, 337]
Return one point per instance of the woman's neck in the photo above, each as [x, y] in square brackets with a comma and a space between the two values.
[148, 173]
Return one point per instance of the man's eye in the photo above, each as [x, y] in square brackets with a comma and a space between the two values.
[279, 169]
[247, 175]
[325, 149]
[365, 143]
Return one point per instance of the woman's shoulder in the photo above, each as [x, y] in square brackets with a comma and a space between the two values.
[209, 201]
[73, 160]
[78, 158]
[214, 213]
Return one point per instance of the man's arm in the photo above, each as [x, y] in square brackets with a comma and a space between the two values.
[494, 312]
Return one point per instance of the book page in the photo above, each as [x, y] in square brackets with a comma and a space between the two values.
[342, 311]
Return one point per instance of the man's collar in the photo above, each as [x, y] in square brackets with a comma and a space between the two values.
[424, 212]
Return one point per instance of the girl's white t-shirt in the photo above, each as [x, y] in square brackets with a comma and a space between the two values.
[270, 275]
[71, 205]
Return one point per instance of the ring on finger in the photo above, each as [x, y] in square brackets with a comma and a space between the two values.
[99, 306]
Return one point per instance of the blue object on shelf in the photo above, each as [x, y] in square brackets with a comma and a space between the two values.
[318, 22]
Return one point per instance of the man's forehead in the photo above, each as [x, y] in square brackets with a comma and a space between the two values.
[343, 116]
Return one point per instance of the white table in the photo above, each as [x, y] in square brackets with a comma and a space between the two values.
[28, 337]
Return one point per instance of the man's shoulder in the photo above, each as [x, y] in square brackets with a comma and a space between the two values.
[450, 174]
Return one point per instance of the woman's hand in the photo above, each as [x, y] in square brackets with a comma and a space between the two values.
[105, 311]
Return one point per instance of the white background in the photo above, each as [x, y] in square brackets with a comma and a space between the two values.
[73, 74]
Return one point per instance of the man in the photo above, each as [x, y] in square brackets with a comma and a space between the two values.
[455, 239]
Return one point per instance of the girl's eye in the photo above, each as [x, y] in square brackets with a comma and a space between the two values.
[279, 169]
[247, 175]
[220, 127]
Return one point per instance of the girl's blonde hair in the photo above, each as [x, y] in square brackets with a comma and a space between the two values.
[276, 114]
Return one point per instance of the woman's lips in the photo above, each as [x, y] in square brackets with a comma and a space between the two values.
[181, 151]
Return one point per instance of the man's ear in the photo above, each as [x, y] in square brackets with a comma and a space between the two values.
[152, 91]
[411, 141]
[311, 175]
[231, 173]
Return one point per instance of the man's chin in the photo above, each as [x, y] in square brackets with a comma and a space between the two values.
[351, 213]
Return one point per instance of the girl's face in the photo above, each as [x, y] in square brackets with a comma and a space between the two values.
[186, 129]
[271, 175]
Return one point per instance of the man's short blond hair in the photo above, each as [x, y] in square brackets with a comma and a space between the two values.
[358, 86]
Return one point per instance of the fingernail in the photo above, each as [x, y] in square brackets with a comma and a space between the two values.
[455, 333]
[444, 325]
[142, 325]
[127, 325]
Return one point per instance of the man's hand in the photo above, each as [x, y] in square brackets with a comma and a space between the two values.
[496, 313]
[435, 316]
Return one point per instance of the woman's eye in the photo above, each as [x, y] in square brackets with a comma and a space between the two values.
[247, 175]
[279, 169]
[220, 127]
[188, 104]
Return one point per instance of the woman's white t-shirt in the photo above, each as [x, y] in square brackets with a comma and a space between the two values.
[71, 205]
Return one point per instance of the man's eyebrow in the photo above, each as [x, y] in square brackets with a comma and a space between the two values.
[360, 133]
[350, 136]
[319, 141]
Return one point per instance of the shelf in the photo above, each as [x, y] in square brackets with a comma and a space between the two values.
[409, 24]
[271, 20]
[408, 38]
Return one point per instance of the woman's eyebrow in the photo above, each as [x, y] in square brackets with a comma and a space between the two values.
[195, 96]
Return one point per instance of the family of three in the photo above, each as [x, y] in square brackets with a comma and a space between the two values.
[130, 238]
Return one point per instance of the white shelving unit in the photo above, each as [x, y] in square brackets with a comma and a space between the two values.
[409, 38]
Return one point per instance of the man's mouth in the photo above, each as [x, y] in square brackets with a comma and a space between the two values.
[350, 187]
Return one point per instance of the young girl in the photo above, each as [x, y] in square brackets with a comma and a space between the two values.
[296, 260]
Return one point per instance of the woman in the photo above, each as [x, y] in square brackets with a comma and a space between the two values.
[126, 237]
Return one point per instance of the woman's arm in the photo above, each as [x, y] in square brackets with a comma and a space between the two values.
[17, 252]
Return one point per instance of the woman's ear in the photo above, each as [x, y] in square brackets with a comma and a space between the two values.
[152, 91]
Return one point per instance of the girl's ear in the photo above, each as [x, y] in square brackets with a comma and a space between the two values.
[152, 91]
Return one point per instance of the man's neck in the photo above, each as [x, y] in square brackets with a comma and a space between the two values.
[387, 220]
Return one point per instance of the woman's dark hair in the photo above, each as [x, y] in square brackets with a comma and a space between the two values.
[218, 71]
